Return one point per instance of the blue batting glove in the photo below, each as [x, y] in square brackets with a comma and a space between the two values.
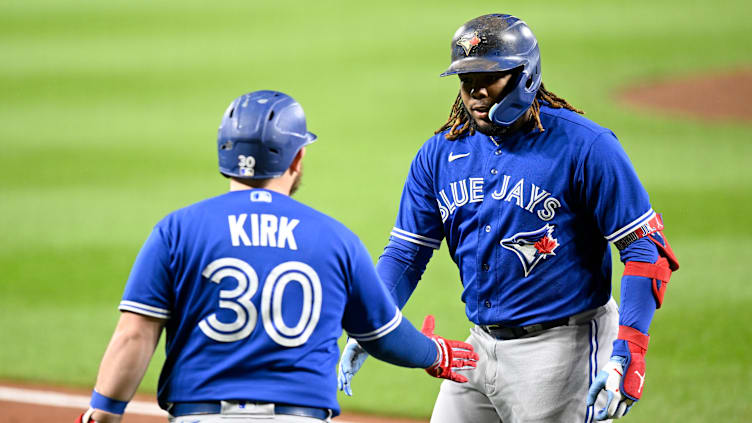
[609, 378]
[353, 356]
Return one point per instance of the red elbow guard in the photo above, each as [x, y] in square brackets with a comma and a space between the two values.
[660, 271]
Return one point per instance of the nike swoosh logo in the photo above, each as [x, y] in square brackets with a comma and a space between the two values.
[457, 156]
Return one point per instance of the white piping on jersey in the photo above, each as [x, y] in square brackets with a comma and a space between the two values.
[380, 332]
[626, 230]
[144, 309]
[415, 238]
[402, 231]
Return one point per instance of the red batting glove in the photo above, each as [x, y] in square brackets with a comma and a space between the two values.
[636, 345]
[451, 354]
[86, 417]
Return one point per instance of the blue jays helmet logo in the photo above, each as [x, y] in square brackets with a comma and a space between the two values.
[468, 41]
[532, 247]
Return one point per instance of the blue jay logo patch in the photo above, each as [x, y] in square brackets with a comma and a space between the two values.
[532, 247]
[469, 41]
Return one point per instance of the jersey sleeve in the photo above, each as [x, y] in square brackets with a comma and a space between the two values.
[401, 266]
[612, 191]
[370, 312]
[147, 291]
[419, 219]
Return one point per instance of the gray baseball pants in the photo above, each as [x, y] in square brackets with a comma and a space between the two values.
[541, 377]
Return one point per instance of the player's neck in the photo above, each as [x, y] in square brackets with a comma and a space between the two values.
[279, 185]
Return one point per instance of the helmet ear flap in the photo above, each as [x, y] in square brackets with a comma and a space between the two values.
[529, 82]
[535, 77]
[515, 81]
[516, 99]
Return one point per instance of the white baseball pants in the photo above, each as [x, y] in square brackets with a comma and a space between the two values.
[541, 377]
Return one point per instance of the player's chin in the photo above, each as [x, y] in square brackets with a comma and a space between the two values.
[484, 126]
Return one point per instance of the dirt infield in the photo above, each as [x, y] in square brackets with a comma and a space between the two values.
[33, 403]
[710, 97]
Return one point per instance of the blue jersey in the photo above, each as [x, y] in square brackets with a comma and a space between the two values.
[256, 288]
[527, 217]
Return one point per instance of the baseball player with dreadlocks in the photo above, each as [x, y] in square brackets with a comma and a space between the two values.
[253, 290]
[528, 194]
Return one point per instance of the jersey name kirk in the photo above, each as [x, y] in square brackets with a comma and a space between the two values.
[527, 196]
[262, 230]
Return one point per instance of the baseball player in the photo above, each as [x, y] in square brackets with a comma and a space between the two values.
[253, 290]
[528, 194]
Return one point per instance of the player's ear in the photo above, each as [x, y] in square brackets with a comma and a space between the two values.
[297, 162]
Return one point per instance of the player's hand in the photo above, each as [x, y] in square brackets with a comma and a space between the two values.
[353, 356]
[101, 417]
[610, 379]
[85, 417]
[452, 355]
[623, 377]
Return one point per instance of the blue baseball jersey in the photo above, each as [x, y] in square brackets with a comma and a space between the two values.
[527, 217]
[255, 288]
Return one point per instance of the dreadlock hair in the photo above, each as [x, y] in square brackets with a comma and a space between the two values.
[459, 120]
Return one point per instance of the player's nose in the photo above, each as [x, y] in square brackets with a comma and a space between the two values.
[479, 92]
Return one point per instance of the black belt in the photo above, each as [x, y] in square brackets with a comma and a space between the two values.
[511, 332]
[190, 408]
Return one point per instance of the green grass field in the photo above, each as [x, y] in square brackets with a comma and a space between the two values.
[108, 118]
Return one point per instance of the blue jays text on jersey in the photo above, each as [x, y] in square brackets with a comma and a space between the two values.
[256, 288]
[527, 218]
[470, 190]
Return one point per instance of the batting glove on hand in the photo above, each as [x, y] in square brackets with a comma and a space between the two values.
[353, 356]
[610, 379]
[452, 355]
[624, 375]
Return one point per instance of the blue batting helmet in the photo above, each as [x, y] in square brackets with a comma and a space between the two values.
[260, 134]
[498, 43]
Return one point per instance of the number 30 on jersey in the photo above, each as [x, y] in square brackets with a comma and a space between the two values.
[238, 300]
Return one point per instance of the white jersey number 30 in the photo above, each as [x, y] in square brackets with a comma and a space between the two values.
[239, 301]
